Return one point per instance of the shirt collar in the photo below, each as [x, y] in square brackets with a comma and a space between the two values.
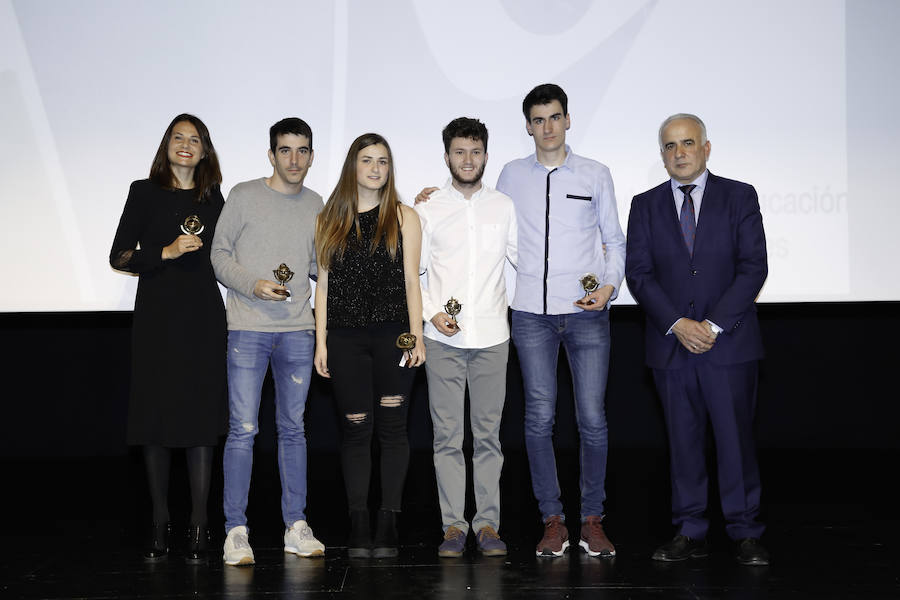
[456, 194]
[536, 163]
[700, 182]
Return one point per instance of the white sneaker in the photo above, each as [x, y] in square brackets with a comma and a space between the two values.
[237, 550]
[299, 540]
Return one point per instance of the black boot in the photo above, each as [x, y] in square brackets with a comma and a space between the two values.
[386, 539]
[197, 545]
[160, 538]
[360, 543]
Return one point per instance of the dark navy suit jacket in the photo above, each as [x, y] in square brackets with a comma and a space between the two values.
[720, 282]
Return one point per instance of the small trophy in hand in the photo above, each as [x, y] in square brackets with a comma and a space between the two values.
[452, 308]
[192, 226]
[590, 283]
[283, 274]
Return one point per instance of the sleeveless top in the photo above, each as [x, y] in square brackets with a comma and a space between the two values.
[364, 288]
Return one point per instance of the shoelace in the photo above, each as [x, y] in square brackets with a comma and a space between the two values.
[241, 541]
[453, 533]
[596, 529]
[553, 528]
[304, 532]
[488, 532]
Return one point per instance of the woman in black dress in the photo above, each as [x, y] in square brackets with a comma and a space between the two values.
[367, 295]
[178, 335]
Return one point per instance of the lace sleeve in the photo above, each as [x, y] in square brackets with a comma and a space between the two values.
[129, 252]
[120, 259]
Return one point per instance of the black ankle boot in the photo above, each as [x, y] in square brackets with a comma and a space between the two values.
[160, 538]
[386, 539]
[360, 543]
[197, 544]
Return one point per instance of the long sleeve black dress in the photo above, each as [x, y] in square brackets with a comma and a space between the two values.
[178, 396]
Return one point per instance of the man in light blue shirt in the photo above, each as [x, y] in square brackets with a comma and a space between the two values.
[568, 227]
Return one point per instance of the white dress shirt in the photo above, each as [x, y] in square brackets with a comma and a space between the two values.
[465, 244]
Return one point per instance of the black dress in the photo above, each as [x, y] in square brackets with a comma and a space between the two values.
[178, 394]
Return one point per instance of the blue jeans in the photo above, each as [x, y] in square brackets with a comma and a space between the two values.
[585, 336]
[249, 353]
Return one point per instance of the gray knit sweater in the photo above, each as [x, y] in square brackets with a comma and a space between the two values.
[259, 229]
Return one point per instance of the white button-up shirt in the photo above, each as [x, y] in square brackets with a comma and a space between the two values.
[465, 244]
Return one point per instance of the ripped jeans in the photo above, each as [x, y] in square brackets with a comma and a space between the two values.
[249, 354]
[372, 395]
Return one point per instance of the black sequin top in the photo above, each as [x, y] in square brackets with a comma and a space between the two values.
[366, 288]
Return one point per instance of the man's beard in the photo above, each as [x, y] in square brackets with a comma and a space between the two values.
[477, 176]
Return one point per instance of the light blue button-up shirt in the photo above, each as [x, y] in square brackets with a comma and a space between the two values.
[565, 216]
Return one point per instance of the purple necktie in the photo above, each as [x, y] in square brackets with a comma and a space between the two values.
[688, 224]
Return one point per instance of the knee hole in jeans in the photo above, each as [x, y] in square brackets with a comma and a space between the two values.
[357, 418]
[392, 401]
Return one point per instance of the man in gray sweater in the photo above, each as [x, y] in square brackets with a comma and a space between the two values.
[268, 225]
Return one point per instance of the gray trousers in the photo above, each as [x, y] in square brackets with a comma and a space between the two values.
[448, 370]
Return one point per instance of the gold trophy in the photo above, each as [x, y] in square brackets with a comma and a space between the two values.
[406, 342]
[283, 274]
[590, 283]
[452, 308]
[192, 226]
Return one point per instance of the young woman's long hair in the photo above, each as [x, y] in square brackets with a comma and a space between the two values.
[341, 213]
[207, 175]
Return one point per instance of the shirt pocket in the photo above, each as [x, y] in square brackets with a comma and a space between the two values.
[492, 238]
[579, 197]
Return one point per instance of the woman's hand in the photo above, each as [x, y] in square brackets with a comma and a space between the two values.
[183, 244]
[417, 354]
[321, 361]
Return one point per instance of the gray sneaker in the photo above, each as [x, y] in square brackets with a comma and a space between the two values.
[489, 543]
[237, 550]
[454, 543]
[299, 540]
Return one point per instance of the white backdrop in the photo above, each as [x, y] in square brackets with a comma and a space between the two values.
[87, 89]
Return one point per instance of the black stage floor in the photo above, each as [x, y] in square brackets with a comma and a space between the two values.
[73, 529]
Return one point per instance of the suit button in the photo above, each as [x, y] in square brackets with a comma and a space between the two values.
[693, 271]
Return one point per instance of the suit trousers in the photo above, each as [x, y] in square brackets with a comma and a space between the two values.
[725, 396]
[449, 369]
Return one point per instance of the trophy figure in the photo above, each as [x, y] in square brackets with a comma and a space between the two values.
[192, 226]
[283, 274]
[406, 342]
[590, 283]
[452, 308]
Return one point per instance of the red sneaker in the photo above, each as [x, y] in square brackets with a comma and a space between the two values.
[556, 538]
[594, 540]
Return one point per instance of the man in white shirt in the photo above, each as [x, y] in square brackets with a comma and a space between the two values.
[468, 233]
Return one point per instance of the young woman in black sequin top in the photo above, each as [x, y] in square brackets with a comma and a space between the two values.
[367, 295]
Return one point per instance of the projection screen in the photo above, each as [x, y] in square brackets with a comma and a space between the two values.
[800, 99]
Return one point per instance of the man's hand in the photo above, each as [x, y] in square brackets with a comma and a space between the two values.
[445, 324]
[181, 245]
[266, 290]
[425, 194]
[695, 336]
[597, 299]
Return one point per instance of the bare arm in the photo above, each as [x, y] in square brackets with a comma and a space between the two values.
[411, 230]
[321, 357]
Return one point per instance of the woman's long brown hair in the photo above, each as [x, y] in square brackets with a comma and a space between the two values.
[341, 212]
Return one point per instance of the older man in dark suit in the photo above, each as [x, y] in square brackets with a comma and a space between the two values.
[696, 261]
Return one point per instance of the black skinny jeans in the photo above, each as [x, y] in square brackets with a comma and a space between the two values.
[372, 395]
